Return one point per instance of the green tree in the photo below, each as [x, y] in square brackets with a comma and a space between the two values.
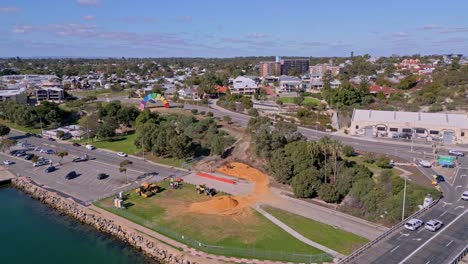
[306, 183]
[59, 134]
[348, 151]
[253, 112]
[4, 130]
[123, 168]
[62, 154]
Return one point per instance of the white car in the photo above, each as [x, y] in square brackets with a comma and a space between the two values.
[122, 154]
[8, 162]
[454, 152]
[40, 163]
[433, 225]
[464, 196]
[425, 163]
[413, 224]
[90, 147]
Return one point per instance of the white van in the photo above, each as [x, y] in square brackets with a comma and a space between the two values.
[90, 147]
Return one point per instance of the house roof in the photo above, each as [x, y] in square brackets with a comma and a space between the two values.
[221, 89]
[386, 90]
[267, 90]
[412, 118]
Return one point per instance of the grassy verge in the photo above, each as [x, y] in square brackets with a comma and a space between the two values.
[167, 213]
[23, 128]
[336, 239]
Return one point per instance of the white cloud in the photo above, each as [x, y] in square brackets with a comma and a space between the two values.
[8, 9]
[429, 27]
[400, 34]
[184, 18]
[89, 17]
[256, 35]
[455, 29]
[20, 29]
[88, 2]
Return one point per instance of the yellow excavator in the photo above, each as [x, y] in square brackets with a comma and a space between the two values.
[147, 189]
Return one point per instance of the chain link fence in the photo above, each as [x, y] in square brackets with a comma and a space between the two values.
[248, 252]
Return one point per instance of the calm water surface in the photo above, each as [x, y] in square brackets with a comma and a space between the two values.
[31, 232]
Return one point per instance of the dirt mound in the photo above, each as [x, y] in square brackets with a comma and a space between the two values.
[237, 205]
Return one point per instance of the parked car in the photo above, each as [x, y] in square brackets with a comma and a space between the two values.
[413, 224]
[40, 163]
[90, 147]
[456, 153]
[37, 135]
[51, 139]
[76, 144]
[66, 136]
[102, 176]
[464, 196]
[28, 156]
[38, 149]
[8, 162]
[50, 151]
[49, 169]
[71, 175]
[20, 153]
[122, 154]
[438, 178]
[433, 225]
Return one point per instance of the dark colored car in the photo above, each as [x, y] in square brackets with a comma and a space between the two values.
[51, 139]
[50, 151]
[71, 175]
[29, 156]
[20, 153]
[76, 144]
[50, 169]
[102, 176]
[37, 135]
[440, 178]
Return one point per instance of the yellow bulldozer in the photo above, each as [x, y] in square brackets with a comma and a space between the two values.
[147, 189]
[202, 188]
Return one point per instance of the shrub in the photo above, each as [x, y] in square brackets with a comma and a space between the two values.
[348, 151]
[253, 112]
[279, 102]
[436, 108]
[383, 163]
[194, 111]
[368, 158]
[210, 114]
[202, 112]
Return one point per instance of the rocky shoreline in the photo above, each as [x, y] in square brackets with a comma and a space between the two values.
[147, 245]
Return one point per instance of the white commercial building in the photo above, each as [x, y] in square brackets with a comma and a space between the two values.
[447, 128]
[245, 85]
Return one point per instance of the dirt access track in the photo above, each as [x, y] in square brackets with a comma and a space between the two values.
[237, 205]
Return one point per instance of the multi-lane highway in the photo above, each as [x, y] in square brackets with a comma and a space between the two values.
[86, 186]
[403, 246]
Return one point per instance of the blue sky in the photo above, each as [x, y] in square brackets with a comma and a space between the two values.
[222, 28]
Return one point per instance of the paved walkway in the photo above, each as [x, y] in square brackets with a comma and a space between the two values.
[295, 234]
[5, 175]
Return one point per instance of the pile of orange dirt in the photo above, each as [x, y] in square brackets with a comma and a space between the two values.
[237, 205]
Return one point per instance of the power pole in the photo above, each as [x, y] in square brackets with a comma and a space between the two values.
[143, 144]
[404, 201]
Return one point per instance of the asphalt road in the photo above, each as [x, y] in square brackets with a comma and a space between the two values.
[86, 186]
[403, 246]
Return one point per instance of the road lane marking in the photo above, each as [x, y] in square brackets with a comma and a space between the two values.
[430, 239]
[445, 204]
[460, 206]
[422, 228]
[428, 262]
[443, 213]
[417, 239]
[449, 243]
[458, 186]
[395, 248]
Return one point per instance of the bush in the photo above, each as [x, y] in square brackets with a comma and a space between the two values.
[328, 193]
[227, 119]
[194, 111]
[450, 107]
[368, 158]
[202, 112]
[279, 102]
[253, 112]
[348, 151]
[210, 114]
[383, 163]
[436, 108]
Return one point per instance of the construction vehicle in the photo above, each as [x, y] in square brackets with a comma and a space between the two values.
[147, 189]
[202, 188]
[175, 183]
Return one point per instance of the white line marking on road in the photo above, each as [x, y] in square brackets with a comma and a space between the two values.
[445, 204]
[430, 239]
[443, 213]
[417, 239]
[428, 262]
[422, 228]
[455, 178]
[463, 175]
[458, 186]
[391, 251]
[460, 206]
[448, 244]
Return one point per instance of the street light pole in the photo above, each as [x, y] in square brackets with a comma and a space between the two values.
[404, 201]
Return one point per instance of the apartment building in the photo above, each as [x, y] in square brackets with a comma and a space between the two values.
[270, 68]
[299, 66]
[323, 68]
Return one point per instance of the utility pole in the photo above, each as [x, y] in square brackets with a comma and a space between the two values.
[143, 144]
[404, 201]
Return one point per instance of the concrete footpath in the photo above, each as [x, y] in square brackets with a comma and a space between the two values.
[295, 234]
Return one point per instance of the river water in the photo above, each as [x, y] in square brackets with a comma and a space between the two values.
[31, 232]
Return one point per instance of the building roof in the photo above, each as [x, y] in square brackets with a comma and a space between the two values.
[413, 119]
[267, 90]
[386, 90]
[286, 78]
[221, 89]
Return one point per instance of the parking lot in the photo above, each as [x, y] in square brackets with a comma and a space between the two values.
[86, 186]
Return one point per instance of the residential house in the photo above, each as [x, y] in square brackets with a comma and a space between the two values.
[245, 85]
[387, 91]
[289, 83]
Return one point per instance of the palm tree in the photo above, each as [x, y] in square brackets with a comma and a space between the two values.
[123, 169]
[62, 154]
[336, 147]
[324, 144]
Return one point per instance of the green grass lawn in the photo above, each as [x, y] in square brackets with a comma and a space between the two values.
[166, 213]
[336, 239]
[100, 93]
[307, 100]
[23, 128]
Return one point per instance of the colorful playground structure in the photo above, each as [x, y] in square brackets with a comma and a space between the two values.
[152, 97]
